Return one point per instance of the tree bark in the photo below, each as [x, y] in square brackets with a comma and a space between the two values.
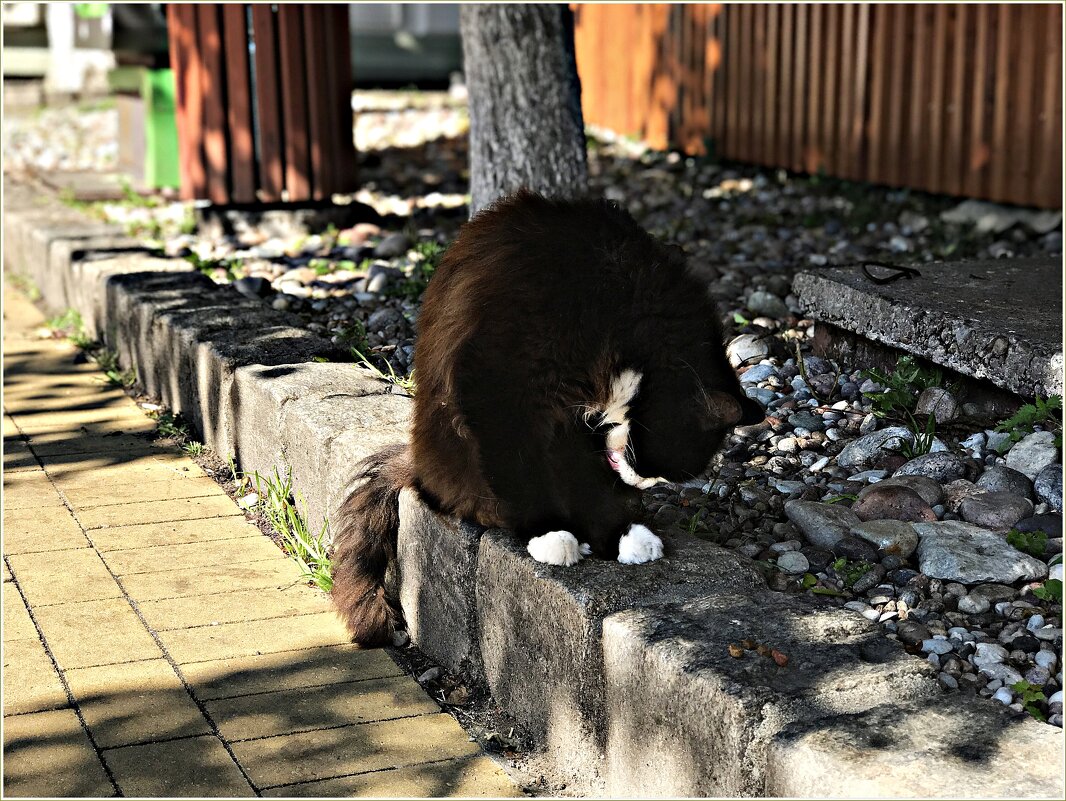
[526, 127]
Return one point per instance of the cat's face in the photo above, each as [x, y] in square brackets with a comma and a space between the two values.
[677, 424]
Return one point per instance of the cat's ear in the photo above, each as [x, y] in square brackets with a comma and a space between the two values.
[727, 410]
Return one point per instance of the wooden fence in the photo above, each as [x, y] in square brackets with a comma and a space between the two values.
[263, 101]
[951, 98]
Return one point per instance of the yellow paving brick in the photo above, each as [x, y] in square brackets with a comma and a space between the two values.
[11, 430]
[48, 528]
[173, 532]
[253, 637]
[111, 490]
[138, 702]
[328, 753]
[18, 457]
[209, 580]
[30, 401]
[133, 514]
[165, 557]
[129, 423]
[30, 489]
[269, 714]
[230, 607]
[470, 777]
[147, 463]
[95, 633]
[125, 414]
[227, 678]
[17, 623]
[31, 683]
[47, 755]
[198, 767]
[7, 574]
[77, 446]
[61, 577]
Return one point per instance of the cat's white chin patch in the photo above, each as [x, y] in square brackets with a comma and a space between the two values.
[639, 545]
[558, 548]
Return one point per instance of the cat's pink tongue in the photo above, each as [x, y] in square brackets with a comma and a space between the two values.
[615, 460]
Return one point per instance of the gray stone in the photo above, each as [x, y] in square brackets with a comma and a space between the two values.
[951, 743]
[253, 287]
[1033, 453]
[995, 510]
[808, 420]
[793, 562]
[747, 348]
[766, 304]
[1048, 486]
[836, 660]
[1001, 672]
[929, 490]
[957, 551]
[888, 536]
[855, 549]
[757, 373]
[973, 604]
[1000, 478]
[392, 246]
[822, 524]
[544, 661]
[938, 402]
[437, 566]
[955, 314]
[866, 449]
[943, 467]
[912, 632]
[934, 646]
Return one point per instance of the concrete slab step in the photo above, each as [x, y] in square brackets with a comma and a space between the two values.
[999, 320]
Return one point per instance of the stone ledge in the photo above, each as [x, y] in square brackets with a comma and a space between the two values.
[999, 320]
[622, 674]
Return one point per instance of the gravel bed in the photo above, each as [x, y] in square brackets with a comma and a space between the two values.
[830, 496]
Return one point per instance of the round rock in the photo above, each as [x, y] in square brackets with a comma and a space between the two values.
[864, 451]
[1033, 453]
[995, 510]
[955, 492]
[943, 467]
[929, 490]
[938, 402]
[823, 524]
[957, 551]
[912, 632]
[1048, 486]
[793, 563]
[1003, 479]
[747, 348]
[893, 502]
[888, 536]
[855, 549]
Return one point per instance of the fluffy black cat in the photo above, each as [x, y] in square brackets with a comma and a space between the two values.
[566, 361]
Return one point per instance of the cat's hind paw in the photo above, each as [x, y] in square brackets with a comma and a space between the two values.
[557, 548]
[639, 545]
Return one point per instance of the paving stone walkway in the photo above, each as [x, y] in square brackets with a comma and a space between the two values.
[157, 644]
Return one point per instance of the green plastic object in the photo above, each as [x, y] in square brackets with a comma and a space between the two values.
[160, 130]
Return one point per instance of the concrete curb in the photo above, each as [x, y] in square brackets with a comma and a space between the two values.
[622, 674]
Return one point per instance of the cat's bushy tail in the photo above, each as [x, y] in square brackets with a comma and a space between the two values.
[365, 544]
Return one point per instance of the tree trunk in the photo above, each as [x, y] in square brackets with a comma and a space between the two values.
[526, 127]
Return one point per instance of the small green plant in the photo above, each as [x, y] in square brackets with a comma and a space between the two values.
[406, 383]
[902, 386]
[170, 426]
[278, 502]
[695, 522]
[1044, 412]
[1050, 591]
[850, 571]
[194, 448]
[209, 266]
[1031, 696]
[353, 336]
[188, 224]
[427, 257]
[843, 497]
[25, 286]
[63, 325]
[807, 380]
[1032, 542]
[108, 361]
[321, 266]
[923, 436]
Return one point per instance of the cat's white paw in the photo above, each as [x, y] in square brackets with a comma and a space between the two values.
[639, 545]
[557, 548]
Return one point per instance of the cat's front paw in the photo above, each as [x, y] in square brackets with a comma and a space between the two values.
[639, 545]
[557, 548]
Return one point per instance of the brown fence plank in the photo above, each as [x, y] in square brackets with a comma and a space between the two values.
[316, 69]
[1024, 52]
[239, 107]
[271, 129]
[831, 87]
[1001, 115]
[216, 152]
[294, 102]
[1050, 149]
[185, 59]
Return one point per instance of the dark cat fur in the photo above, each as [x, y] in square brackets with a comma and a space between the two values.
[534, 311]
